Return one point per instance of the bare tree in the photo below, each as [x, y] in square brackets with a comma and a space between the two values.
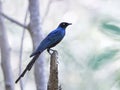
[37, 36]
[5, 55]
[34, 28]
[21, 50]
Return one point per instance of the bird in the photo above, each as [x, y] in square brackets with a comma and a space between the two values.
[51, 40]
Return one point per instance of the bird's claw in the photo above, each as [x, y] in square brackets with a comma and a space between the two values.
[49, 51]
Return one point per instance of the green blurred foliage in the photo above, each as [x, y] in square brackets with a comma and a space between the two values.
[102, 58]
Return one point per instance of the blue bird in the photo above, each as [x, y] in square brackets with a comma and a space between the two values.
[50, 41]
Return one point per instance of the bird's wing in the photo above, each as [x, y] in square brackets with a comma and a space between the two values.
[51, 40]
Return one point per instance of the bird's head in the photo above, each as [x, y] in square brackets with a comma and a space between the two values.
[64, 24]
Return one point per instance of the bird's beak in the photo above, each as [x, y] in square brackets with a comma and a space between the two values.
[70, 24]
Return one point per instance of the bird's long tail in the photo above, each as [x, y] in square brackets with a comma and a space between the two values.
[28, 67]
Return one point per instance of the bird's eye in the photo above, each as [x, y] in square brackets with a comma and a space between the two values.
[63, 23]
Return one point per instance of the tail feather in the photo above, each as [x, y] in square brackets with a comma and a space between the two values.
[28, 68]
[32, 62]
[35, 53]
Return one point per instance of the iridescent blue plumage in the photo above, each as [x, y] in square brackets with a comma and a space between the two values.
[50, 41]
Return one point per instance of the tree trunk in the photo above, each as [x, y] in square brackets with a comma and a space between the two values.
[53, 77]
[5, 56]
[37, 36]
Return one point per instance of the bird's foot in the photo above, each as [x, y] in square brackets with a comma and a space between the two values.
[49, 51]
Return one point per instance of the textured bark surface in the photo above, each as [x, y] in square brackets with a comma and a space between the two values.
[37, 36]
[53, 77]
[5, 56]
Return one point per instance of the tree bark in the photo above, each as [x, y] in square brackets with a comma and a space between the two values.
[53, 77]
[37, 36]
[5, 56]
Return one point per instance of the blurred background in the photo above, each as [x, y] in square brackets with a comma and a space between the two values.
[89, 55]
